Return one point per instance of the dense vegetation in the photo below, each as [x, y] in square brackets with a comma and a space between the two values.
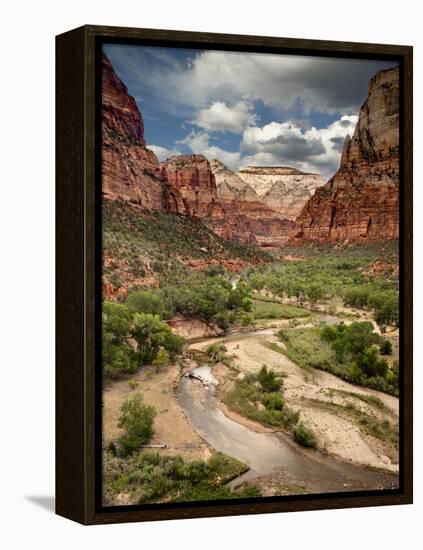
[259, 397]
[142, 243]
[133, 339]
[328, 276]
[351, 352]
[150, 477]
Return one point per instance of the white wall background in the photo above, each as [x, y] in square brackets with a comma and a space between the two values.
[27, 272]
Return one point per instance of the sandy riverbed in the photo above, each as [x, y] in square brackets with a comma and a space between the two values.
[171, 426]
[315, 394]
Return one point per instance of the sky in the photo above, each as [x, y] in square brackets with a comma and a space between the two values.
[245, 108]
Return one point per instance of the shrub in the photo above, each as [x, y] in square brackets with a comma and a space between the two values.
[216, 352]
[268, 380]
[304, 436]
[161, 359]
[137, 423]
[386, 347]
[273, 401]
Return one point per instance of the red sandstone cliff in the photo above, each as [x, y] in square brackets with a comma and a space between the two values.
[131, 172]
[360, 202]
[191, 190]
[269, 226]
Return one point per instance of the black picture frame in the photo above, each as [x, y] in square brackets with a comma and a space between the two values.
[78, 257]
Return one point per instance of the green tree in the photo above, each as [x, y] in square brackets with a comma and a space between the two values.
[386, 347]
[314, 292]
[357, 296]
[116, 321]
[386, 307]
[371, 364]
[137, 422]
[151, 334]
[145, 301]
[117, 355]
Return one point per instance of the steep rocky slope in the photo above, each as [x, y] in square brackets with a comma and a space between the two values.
[360, 202]
[131, 172]
[282, 187]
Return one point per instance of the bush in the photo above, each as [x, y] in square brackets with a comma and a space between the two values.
[386, 347]
[304, 436]
[161, 359]
[268, 380]
[370, 364]
[273, 401]
[350, 352]
[137, 423]
[216, 352]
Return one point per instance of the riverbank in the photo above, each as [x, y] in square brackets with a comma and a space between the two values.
[327, 404]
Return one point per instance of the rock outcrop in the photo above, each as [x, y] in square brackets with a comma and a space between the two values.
[131, 172]
[191, 190]
[269, 226]
[283, 188]
[360, 202]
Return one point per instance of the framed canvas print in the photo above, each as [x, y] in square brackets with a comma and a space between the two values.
[234, 274]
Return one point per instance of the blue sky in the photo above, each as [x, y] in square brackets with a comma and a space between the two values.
[245, 108]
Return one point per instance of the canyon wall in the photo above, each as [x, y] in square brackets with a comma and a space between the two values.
[270, 227]
[191, 190]
[360, 202]
[282, 187]
[131, 172]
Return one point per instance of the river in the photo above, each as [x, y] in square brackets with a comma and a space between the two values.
[266, 453]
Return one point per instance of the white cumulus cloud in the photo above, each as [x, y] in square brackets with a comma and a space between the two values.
[220, 117]
[286, 143]
[162, 153]
[199, 143]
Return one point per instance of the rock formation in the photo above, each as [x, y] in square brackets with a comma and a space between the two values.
[191, 190]
[360, 202]
[283, 188]
[131, 172]
[269, 226]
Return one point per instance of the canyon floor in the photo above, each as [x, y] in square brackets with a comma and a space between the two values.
[192, 422]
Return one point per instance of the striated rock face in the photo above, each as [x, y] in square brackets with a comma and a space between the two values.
[361, 201]
[283, 188]
[191, 190]
[131, 172]
[238, 197]
[191, 187]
